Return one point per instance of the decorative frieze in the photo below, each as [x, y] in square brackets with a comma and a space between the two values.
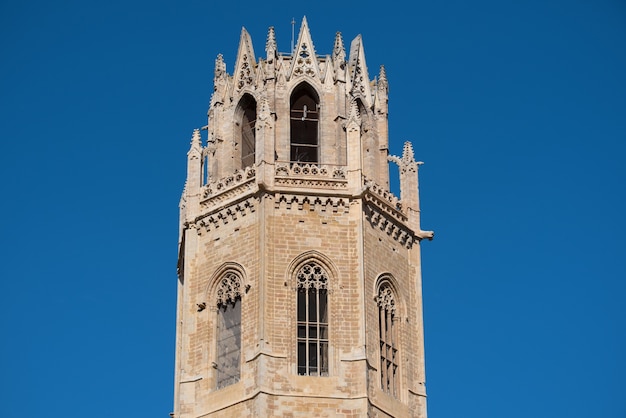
[382, 220]
[229, 187]
[321, 203]
[226, 215]
[384, 195]
[324, 176]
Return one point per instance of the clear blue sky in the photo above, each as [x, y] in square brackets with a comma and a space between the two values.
[518, 110]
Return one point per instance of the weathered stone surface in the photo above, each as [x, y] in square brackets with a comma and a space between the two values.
[260, 223]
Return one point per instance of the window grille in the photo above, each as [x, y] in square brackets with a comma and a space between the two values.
[248, 135]
[304, 119]
[312, 320]
[388, 340]
[228, 362]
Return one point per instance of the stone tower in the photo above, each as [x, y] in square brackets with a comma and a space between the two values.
[299, 271]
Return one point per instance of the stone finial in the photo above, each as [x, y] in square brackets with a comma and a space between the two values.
[358, 68]
[196, 140]
[304, 62]
[408, 156]
[407, 161]
[339, 51]
[270, 45]
[382, 78]
[245, 67]
[354, 117]
[220, 67]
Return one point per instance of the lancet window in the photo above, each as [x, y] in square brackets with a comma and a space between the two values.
[228, 362]
[388, 339]
[312, 330]
[304, 118]
[247, 131]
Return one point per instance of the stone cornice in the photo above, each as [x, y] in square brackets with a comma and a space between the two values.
[225, 190]
[382, 220]
[223, 216]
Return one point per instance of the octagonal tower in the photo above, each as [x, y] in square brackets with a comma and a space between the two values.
[299, 271]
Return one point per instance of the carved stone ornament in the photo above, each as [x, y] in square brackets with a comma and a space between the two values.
[304, 62]
[312, 276]
[229, 289]
[245, 74]
[385, 299]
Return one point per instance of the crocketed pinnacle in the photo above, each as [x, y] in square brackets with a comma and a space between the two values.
[220, 66]
[196, 140]
[270, 45]
[339, 51]
[382, 77]
[407, 153]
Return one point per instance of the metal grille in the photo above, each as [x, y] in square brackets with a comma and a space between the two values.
[388, 340]
[312, 320]
[304, 119]
[248, 134]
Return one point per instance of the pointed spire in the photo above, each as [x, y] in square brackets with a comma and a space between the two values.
[270, 45]
[304, 61]
[382, 78]
[408, 156]
[245, 67]
[328, 74]
[220, 67]
[339, 58]
[219, 80]
[196, 141]
[339, 51]
[354, 117]
[358, 68]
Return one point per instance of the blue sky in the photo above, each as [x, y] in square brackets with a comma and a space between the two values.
[518, 110]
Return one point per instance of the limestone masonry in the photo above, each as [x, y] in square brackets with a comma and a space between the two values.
[299, 276]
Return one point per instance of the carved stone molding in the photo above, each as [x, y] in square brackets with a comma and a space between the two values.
[386, 299]
[385, 222]
[312, 276]
[324, 176]
[218, 191]
[311, 170]
[318, 184]
[320, 203]
[228, 214]
[384, 195]
[229, 289]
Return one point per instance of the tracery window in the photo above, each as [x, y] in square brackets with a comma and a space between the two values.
[304, 118]
[388, 340]
[228, 362]
[312, 309]
[247, 130]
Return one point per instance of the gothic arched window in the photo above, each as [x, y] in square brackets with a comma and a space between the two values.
[246, 117]
[312, 308]
[304, 117]
[388, 339]
[228, 362]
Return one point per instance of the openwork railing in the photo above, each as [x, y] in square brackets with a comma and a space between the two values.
[292, 169]
[219, 186]
[327, 176]
[383, 194]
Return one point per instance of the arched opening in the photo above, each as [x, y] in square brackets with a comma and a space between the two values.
[228, 359]
[247, 133]
[312, 307]
[304, 117]
[388, 339]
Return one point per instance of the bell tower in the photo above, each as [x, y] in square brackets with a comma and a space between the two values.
[299, 272]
